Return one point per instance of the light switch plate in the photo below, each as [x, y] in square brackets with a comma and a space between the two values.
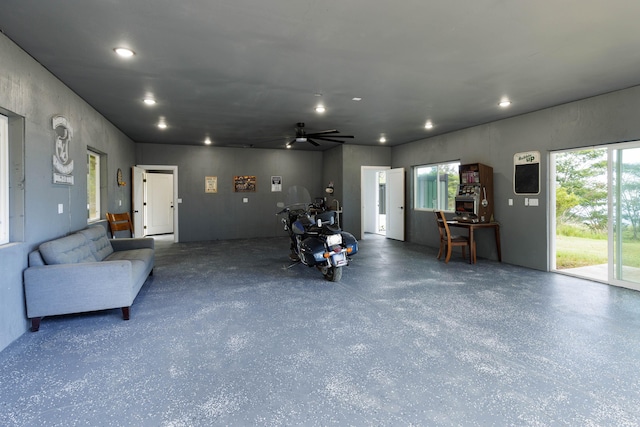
[60, 208]
[245, 200]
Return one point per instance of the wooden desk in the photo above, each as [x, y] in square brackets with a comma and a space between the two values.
[473, 226]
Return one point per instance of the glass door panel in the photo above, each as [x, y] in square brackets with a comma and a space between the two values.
[624, 230]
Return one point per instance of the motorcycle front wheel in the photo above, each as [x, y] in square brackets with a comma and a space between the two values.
[333, 274]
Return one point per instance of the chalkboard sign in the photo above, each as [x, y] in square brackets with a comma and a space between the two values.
[526, 173]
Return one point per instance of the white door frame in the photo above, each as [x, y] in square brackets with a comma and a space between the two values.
[364, 208]
[176, 199]
[610, 279]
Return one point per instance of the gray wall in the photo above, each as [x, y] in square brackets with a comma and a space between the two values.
[30, 91]
[223, 215]
[604, 119]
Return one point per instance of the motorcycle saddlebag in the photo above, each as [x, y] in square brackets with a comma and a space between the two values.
[312, 249]
[350, 242]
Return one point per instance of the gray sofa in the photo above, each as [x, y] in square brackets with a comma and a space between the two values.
[86, 271]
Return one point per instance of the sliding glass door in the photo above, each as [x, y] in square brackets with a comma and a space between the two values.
[624, 208]
[596, 213]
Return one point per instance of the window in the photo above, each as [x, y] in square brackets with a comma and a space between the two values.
[436, 186]
[4, 180]
[93, 185]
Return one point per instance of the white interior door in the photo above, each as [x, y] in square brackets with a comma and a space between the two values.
[137, 200]
[158, 203]
[395, 203]
[370, 203]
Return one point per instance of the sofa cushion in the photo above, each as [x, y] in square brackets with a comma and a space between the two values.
[71, 249]
[141, 261]
[99, 242]
[142, 254]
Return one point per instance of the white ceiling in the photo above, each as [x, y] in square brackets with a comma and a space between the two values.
[244, 72]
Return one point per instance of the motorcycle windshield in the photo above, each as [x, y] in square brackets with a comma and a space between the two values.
[298, 198]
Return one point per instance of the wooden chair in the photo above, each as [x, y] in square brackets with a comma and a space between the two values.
[119, 222]
[448, 241]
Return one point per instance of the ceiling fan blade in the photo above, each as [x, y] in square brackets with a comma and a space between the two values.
[323, 132]
[333, 136]
[329, 139]
[313, 142]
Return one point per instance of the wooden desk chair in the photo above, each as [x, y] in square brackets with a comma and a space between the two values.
[119, 222]
[448, 241]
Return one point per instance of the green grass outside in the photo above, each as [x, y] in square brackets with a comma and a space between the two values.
[583, 251]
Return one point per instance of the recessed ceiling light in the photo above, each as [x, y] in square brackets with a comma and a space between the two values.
[207, 141]
[356, 98]
[504, 103]
[149, 101]
[162, 124]
[383, 139]
[428, 125]
[320, 109]
[124, 52]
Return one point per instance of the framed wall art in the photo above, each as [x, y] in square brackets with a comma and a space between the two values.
[210, 184]
[244, 184]
[276, 183]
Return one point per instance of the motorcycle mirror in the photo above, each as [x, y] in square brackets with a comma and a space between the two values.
[280, 204]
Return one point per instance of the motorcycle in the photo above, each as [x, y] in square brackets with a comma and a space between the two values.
[316, 237]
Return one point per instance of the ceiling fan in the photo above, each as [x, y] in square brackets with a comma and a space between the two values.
[303, 136]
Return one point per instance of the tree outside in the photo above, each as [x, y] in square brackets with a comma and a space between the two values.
[581, 209]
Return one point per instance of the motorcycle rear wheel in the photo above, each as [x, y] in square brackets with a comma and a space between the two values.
[334, 274]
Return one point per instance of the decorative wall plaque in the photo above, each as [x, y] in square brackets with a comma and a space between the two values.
[62, 162]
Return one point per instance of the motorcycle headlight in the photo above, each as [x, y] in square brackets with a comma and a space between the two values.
[334, 239]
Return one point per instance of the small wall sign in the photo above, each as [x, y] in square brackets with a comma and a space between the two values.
[210, 184]
[526, 173]
[276, 183]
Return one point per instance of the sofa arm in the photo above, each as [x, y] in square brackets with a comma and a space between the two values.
[76, 288]
[125, 244]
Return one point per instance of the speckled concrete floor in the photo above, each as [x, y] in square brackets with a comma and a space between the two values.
[225, 334]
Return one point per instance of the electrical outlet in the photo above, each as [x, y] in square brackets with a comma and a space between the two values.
[510, 202]
[245, 200]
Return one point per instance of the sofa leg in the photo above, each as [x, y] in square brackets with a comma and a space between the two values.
[125, 313]
[35, 324]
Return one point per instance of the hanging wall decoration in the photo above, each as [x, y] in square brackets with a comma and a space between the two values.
[62, 162]
[526, 173]
[210, 184]
[276, 183]
[244, 184]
